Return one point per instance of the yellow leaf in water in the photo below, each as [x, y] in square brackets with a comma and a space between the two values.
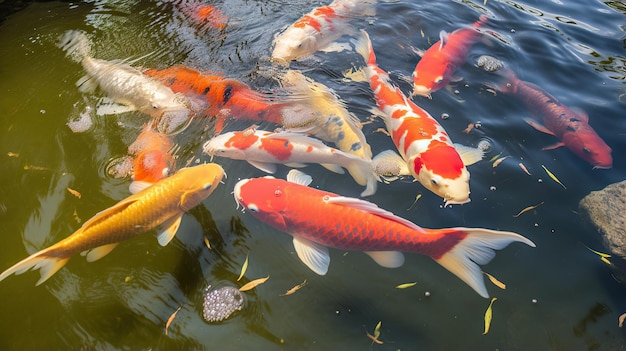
[601, 254]
[374, 337]
[605, 260]
[207, 243]
[74, 192]
[253, 284]
[406, 285]
[495, 281]
[528, 209]
[621, 319]
[13, 154]
[377, 329]
[171, 319]
[419, 196]
[521, 165]
[488, 315]
[498, 161]
[553, 176]
[494, 157]
[243, 268]
[294, 289]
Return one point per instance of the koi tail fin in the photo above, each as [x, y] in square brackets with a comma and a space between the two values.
[47, 265]
[363, 46]
[476, 248]
[75, 44]
[362, 172]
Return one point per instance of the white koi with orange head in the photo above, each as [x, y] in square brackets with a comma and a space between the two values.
[426, 149]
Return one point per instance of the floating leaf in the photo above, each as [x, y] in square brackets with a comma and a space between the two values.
[419, 196]
[13, 154]
[74, 192]
[528, 209]
[601, 254]
[406, 285]
[243, 268]
[253, 284]
[207, 243]
[171, 319]
[488, 315]
[521, 165]
[553, 176]
[469, 128]
[605, 260]
[376, 335]
[494, 157]
[621, 319]
[377, 329]
[498, 161]
[294, 289]
[495, 281]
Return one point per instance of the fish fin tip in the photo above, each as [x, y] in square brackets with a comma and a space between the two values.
[469, 155]
[313, 255]
[99, 252]
[171, 227]
[553, 146]
[47, 266]
[299, 177]
[333, 167]
[137, 186]
[538, 126]
[443, 39]
[388, 259]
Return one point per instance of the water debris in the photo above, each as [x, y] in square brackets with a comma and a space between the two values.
[35, 168]
[553, 177]
[382, 130]
[13, 154]
[207, 243]
[498, 161]
[294, 289]
[621, 319]
[171, 319]
[253, 284]
[495, 157]
[469, 128]
[76, 218]
[74, 192]
[405, 285]
[489, 63]
[603, 256]
[488, 316]
[495, 281]
[243, 269]
[419, 196]
[528, 209]
[376, 335]
[521, 165]
[221, 303]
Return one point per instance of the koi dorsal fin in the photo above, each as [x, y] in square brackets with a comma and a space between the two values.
[443, 39]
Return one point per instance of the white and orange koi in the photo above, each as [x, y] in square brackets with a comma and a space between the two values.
[160, 205]
[319, 28]
[264, 150]
[152, 158]
[427, 152]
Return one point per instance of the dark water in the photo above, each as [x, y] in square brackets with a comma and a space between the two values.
[572, 49]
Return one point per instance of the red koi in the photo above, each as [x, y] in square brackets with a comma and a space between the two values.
[550, 116]
[152, 160]
[318, 219]
[424, 145]
[203, 14]
[436, 67]
[224, 97]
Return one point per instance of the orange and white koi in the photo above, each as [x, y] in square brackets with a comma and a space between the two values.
[319, 28]
[206, 16]
[152, 160]
[436, 67]
[160, 205]
[427, 152]
[264, 150]
[318, 219]
[124, 84]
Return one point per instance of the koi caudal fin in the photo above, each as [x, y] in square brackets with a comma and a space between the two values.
[477, 248]
[47, 265]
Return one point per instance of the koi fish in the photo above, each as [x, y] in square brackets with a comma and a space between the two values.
[152, 160]
[318, 219]
[550, 116]
[163, 204]
[426, 151]
[125, 85]
[264, 150]
[203, 14]
[436, 67]
[318, 29]
[223, 97]
[319, 111]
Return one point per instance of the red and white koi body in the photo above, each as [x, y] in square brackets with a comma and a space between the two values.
[264, 150]
[152, 160]
[318, 219]
[319, 28]
[436, 67]
[422, 142]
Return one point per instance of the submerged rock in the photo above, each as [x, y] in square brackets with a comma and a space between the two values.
[605, 208]
[220, 303]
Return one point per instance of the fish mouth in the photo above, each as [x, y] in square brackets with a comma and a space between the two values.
[421, 91]
[455, 202]
[237, 192]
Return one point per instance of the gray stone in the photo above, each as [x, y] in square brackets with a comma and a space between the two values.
[606, 209]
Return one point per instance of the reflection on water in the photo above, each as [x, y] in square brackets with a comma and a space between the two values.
[124, 301]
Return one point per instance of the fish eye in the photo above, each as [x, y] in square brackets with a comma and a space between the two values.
[156, 107]
[438, 79]
[253, 208]
[434, 181]
[586, 150]
[207, 186]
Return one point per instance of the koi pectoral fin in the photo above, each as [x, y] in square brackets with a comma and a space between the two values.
[313, 255]
[538, 126]
[388, 259]
[554, 146]
[171, 227]
[99, 252]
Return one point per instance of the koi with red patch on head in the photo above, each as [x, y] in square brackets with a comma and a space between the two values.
[152, 160]
[426, 150]
[436, 67]
[264, 150]
[319, 28]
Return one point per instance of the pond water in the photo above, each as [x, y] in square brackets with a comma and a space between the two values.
[559, 295]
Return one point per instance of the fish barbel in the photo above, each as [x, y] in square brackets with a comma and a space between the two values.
[162, 204]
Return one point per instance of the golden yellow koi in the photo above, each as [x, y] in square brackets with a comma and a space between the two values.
[161, 204]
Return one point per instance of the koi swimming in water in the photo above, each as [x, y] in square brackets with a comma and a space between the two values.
[160, 205]
[152, 158]
[264, 150]
[318, 219]
[427, 153]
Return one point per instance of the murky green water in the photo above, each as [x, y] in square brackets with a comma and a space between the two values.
[574, 50]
